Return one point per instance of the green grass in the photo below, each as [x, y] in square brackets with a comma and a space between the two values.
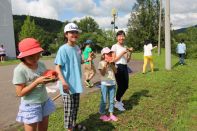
[16, 61]
[163, 100]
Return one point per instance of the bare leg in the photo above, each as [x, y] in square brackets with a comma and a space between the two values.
[30, 127]
[43, 125]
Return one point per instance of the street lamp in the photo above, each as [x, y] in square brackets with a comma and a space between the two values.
[114, 15]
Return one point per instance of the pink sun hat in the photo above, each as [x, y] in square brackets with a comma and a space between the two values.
[28, 46]
[105, 50]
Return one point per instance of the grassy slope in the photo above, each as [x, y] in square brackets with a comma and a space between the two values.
[163, 100]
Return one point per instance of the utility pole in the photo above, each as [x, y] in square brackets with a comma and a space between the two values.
[167, 37]
[159, 36]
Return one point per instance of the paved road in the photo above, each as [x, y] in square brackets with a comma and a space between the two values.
[9, 101]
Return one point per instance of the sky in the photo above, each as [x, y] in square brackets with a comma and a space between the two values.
[183, 12]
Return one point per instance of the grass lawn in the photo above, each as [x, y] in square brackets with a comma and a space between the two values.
[159, 101]
[16, 61]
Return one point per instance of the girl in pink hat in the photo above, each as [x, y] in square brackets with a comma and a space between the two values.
[35, 106]
[108, 84]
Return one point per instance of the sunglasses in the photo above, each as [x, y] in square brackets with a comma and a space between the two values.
[73, 32]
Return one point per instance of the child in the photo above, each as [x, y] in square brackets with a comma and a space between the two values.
[68, 66]
[2, 53]
[89, 68]
[108, 84]
[122, 55]
[148, 47]
[35, 106]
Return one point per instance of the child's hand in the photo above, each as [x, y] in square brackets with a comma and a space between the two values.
[124, 52]
[65, 87]
[92, 55]
[41, 80]
[130, 49]
[106, 64]
[89, 58]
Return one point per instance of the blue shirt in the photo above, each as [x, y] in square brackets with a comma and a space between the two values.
[69, 58]
[181, 48]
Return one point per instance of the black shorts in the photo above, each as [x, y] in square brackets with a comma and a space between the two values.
[2, 55]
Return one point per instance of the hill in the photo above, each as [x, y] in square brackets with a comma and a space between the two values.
[182, 30]
[48, 25]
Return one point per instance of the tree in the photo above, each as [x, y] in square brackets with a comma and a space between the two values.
[28, 29]
[88, 25]
[143, 23]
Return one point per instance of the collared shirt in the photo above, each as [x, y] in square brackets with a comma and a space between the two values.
[181, 48]
[69, 58]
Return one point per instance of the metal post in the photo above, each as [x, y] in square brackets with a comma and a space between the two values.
[159, 36]
[167, 37]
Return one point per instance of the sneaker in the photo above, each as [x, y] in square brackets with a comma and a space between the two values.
[87, 83]
[104, 118]
[119, 106]
[79, 127]
[113, 118]
[120, 102]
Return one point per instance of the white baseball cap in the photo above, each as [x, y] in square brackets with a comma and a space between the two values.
[71, 27]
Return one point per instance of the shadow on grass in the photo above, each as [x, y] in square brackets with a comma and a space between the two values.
[175, 65]
[155, 70]
[134, 99]
[93, 123]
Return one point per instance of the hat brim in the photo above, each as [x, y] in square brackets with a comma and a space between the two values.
[106, 52]
[80, 31]
[30, 52]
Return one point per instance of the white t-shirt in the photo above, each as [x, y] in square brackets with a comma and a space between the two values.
[108, 79]
[2, 51]
[118, 49]
[148, 49]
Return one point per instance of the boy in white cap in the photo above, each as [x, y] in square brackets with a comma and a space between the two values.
[68, 66]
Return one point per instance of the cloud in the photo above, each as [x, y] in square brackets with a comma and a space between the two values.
[105, 21]
[180, 20]
[183, 12]
[42, 8]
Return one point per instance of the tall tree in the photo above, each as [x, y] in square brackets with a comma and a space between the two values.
[143, 23]
[28, 29]
[88, 24]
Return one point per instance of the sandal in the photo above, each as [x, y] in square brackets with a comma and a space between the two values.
[79, 127]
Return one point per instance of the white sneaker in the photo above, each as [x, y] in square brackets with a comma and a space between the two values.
[120, 102]
[119, 106]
